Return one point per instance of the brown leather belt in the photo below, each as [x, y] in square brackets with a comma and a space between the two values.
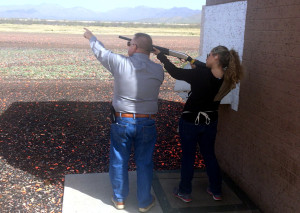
[132, 115]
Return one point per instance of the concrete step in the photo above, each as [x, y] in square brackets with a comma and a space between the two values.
[91, 193]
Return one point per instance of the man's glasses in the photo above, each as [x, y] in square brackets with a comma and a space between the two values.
[129, 44]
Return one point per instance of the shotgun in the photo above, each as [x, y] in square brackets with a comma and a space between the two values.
[174, 53]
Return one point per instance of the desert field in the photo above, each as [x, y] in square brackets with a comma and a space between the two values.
[54, 113]
[67, 56]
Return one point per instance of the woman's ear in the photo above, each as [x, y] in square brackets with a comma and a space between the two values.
[216, 58]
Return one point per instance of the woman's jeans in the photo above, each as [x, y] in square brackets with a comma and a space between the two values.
[204, 135]
[141, 133]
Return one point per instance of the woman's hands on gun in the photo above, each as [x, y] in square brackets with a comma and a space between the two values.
[157, 51]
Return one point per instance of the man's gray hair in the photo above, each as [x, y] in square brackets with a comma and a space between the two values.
[144, 41]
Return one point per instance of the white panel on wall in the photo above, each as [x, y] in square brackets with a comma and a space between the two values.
[222, 24]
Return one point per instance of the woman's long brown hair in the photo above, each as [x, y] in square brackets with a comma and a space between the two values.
[233, 70]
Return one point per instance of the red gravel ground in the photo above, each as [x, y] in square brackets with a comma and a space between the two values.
[50, 128]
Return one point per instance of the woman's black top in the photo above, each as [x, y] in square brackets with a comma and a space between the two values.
[204, 87]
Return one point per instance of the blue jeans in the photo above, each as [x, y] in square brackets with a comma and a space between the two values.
[204, 135]
[141, 133]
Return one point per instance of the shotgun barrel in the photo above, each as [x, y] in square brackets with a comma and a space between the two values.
[174, 53]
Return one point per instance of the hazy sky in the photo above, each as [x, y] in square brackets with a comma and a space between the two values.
[104, 5]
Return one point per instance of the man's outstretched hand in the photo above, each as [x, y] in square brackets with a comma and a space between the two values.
[87, 34]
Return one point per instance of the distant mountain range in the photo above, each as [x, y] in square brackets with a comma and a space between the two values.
[178, 15]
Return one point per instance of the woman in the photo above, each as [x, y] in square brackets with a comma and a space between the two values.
[209, 82]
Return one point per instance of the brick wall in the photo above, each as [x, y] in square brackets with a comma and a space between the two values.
[259, 146]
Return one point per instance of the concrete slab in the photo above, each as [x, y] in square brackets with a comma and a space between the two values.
[91, 193]
[233, 199]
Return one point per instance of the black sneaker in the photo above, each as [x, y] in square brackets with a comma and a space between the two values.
[184, 197]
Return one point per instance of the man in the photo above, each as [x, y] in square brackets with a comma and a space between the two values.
[136, 86]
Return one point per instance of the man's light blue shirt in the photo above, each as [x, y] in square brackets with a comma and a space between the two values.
[137, 79]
